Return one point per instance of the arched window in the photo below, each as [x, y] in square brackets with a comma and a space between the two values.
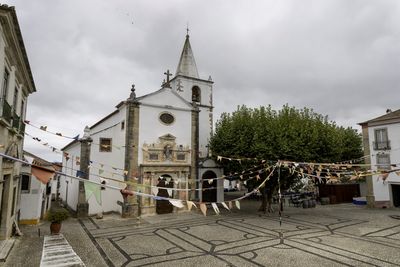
[196, 94]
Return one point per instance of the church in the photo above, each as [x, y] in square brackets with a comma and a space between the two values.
[156, 144]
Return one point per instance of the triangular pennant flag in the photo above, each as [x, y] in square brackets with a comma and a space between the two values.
[384, 176]
[93, 189]
[215, 207]
[43, 128]
[176, 203]
[203, 209]
[230, 205]
[76, 137]
[237, 204]
[190, 204]
[210, 181]
[225, 206]
[177, 181]
[28, 159]
[154, 190]
[219, 158]
[169, 192]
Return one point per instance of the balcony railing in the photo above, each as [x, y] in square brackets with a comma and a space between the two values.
[22, 127]
[6, 112]
[16, 121]
[381, 145]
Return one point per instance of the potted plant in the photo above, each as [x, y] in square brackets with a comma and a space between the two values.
[56, 216]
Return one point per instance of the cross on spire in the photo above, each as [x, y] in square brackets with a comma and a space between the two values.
[187, 29]
[167, 73]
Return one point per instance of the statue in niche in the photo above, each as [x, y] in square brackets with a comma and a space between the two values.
[168, 152]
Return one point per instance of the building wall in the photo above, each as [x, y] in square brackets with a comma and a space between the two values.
[115, 159]
[382, 188]
[11, 131]
[31, 202]
[151, 128]
[206, 107]
[69, 187]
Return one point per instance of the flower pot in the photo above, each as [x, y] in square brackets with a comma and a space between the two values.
[55, 228]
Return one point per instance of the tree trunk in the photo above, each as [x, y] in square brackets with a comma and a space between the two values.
[266, 202]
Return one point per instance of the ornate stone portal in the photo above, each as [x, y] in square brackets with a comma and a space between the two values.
[160, 160]
[166, 151]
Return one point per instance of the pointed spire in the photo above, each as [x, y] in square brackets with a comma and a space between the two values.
[187, 64]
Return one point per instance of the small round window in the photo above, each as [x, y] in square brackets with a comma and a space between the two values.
[167, 118]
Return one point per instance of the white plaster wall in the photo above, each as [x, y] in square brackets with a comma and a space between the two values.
[205, 89]
[70, 168]
[111, 163]
[204, 131]
[205, 124]
[151, 128]
[31, 203]
[381, 189]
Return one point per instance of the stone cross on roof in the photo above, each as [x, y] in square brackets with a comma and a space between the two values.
[168, 74]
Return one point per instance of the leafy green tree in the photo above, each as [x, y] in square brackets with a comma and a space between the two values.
[299, 135]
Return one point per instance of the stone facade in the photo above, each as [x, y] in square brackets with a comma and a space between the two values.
[16, 84]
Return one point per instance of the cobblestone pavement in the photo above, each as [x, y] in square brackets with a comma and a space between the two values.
[340, 235]
[335, 235]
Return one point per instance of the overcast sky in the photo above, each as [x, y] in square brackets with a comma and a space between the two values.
[339, 57]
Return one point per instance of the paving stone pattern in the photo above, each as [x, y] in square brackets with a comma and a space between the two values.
[339, 235]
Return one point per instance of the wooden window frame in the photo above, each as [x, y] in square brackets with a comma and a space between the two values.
[105, 147]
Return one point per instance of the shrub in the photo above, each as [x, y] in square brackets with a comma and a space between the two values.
[57, 215]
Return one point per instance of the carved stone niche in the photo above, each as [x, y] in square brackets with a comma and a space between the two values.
[165, 151]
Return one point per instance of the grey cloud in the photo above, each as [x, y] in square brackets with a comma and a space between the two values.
[339, 57]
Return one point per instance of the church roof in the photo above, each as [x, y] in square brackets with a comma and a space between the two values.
[187, 64]
[166, 89]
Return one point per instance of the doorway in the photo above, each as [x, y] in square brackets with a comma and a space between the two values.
[209, 189]
[396, 195]
[164, 206]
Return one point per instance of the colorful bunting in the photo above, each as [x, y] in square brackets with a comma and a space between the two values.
[237, 204]
[176, 203]
[190, 204]
[215, 207]
[225, 206]
[93, 189]
[154, 190]
[203, 209]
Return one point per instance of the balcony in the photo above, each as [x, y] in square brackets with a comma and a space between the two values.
[6, 112]
[16, 121]
[381, 145]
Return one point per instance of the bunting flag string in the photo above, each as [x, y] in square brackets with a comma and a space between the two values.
[44, 128]
[220, 158]
[125, 192]
[76, 138]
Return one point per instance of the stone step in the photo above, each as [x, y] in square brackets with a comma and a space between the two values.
[58, 252]
[5, 248]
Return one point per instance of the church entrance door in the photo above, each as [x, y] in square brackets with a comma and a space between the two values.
[164, 206]
[396, 195]
[210, 192]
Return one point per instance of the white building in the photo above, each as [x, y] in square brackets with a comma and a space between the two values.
[381, 138]
[162, 134]
[35, 195]
[16, 83]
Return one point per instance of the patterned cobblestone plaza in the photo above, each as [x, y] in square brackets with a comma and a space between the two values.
[335, 235]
